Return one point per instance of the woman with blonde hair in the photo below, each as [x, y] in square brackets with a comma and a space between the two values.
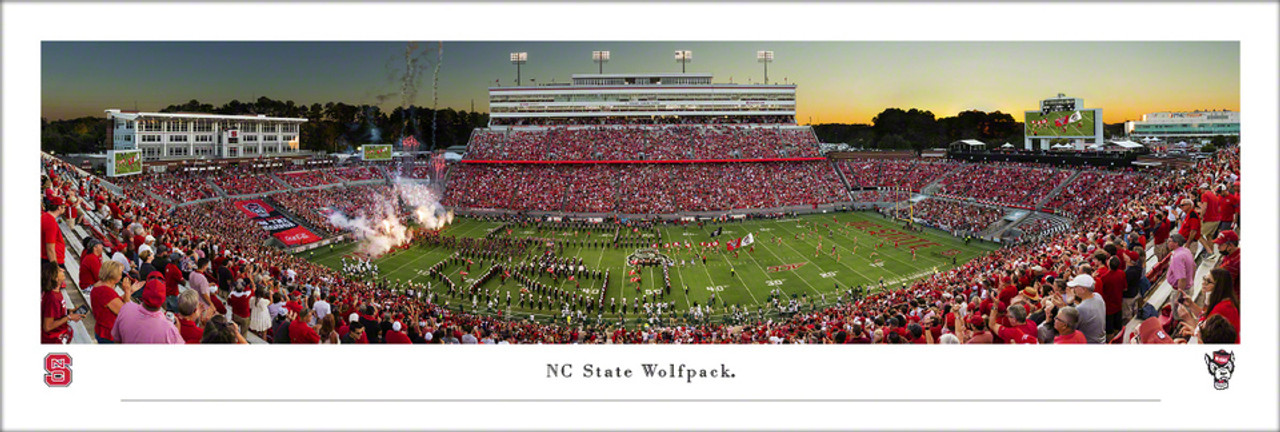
[106, 301]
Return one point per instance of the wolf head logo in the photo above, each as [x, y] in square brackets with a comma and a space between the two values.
[1221, 364]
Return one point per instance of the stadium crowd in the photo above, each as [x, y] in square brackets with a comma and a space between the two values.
[1077, 286]
[643, 143]
[667, 120]
[236, 182]
[1004, 183]
[880, 195]
[643, 188]
[912, 174]
[954, 216]
[302, 179]
[1093, 192]
[178, 187]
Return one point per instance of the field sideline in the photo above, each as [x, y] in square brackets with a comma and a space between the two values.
[784, 258]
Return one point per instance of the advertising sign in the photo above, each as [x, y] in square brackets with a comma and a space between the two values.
[278, 225]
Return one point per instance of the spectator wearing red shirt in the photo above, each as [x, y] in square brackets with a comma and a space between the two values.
[355, 335]
[300, 332]
[53, 247]
[1210, 210]
[90, 263]
[1190, 227]
[1065, 324]
[53, 312]
[172, 277]
[1018, 331]
[1229, 244]
[1162, 228]
[1230, 207]
[1114, 284]
[397, 335]
[106, 302]
[188, 314]
[973, 331]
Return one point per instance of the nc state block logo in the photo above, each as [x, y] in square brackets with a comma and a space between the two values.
[57, 370]
[1221, 365]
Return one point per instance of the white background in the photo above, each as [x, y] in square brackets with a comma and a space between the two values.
[1175, 375]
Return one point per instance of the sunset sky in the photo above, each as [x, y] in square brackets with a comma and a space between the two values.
[838, 82]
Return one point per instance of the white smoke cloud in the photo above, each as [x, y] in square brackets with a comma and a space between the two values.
[425, 202]
[381, 230]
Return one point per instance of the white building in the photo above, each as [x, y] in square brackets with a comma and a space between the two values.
[642, 98]
[175, 136]
[1183, 125]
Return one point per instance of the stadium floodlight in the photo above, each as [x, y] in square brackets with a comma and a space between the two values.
[683, 57]
[765, 57]
[600, 57]
[519, 58]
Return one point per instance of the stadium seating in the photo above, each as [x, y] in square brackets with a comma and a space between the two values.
[643, 143]
[912, 174]
[176, 187]
[643, 188]
[953, 216]
[218, 229]
[1014, 184]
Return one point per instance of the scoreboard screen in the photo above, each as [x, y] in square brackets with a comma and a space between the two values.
[1049, 106]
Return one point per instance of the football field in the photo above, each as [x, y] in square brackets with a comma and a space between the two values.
[811, 259]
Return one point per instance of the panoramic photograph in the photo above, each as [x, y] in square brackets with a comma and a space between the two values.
[618, 192]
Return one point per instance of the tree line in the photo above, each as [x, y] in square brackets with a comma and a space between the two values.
[915, 129]
[332, 126]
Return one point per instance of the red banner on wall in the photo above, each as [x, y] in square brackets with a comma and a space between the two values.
[296, 236]
[255, 208]
[275, 223]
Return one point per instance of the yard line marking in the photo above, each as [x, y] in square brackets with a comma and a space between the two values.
[815, 262]
[775, 255]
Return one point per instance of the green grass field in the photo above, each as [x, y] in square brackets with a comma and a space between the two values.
[784, 258]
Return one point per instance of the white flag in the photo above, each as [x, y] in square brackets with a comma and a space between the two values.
[1075, 117]
[748, 239]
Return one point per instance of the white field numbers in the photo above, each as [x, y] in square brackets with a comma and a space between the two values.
[716, 288]
[827, 275]
[774, 282]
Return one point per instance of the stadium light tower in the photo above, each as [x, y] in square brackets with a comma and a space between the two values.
[519, 58]
[600, 57]
[683, 57]
[765, 57]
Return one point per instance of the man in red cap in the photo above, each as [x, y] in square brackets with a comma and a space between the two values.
[53, 247]
[1229, 244]
[1151, 332]
[146, 323]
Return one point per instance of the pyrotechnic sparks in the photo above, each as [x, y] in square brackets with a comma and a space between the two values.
[381, 229]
